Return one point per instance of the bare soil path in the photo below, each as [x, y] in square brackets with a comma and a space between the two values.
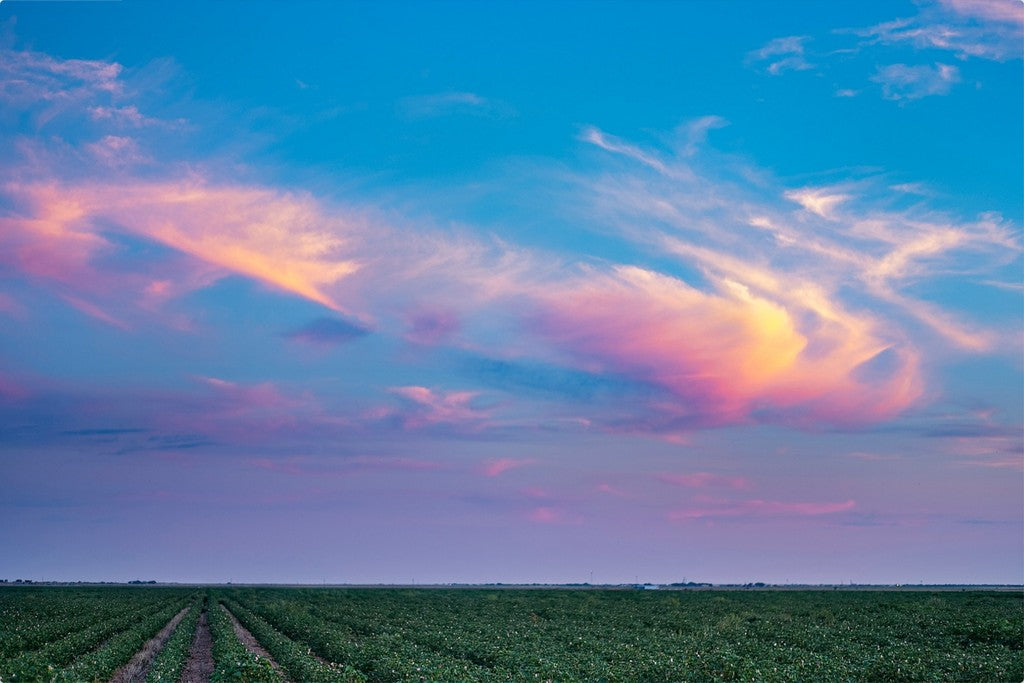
[199, 667]
[136, 670]
[250, 642]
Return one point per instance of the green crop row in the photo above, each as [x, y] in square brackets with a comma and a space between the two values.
[33, 617]
[100, 664]
[50, 660]
[231, 660]
[296, 658]
[466, 635]
[169, 663]
[391, 635]
[380, 655]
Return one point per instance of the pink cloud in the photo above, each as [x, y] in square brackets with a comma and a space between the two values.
[429, 407]
[1007, 11]
[27, 77]
[552, 515]
[96, 312]
[754, 509]
[244, 413]
[700, 480]
[283, 240]
[498, 466]
[125, 116]
[724, 354]
[117, 150]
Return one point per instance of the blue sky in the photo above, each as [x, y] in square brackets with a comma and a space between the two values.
[381, 292]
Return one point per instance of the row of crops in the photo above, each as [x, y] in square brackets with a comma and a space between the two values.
[75, 634]
[384, 635]
[615, 635]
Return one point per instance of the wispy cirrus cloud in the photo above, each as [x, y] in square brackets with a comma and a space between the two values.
[499, 466]
[964, 29]
[452, 103]
[752, 510]
[702, 480]
[426, 407]
[819, 201]
[281, 239]
[762, 320]
[781, 55]
[987, 29]
[546, 514]
[845, 236]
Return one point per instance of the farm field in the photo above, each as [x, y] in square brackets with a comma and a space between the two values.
[381, 634]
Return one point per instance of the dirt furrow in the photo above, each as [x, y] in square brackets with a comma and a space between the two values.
[137, 669]
[200, 659]
[250, 642]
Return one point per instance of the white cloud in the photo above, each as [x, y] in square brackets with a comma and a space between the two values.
[449, 103]
[905, 82]
[782, 54]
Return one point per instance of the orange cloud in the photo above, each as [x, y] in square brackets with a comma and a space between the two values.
[284, 240]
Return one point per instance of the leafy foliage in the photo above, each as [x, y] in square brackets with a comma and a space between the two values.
[231, 660]
[621, 635]
[296, 657]
[384, 635]
[79, 634]
[169, 663]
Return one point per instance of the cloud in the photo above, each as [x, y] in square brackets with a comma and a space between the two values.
[1000, 11]
[282, 239]
[426, 407]
[758, 310]
[550, 515]
[722, 355]
[967, 28]
[820, 201]
[28, 77]
[498, 466]
[758, 509]
[117, 150]
[328, 331]
[609, 489]
[695, 133]
[452, 103]
[782, 54]
[903, 82]
[863, 245]
[126, 116]
[701, 480]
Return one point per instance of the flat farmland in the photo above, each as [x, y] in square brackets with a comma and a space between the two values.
[395, 634]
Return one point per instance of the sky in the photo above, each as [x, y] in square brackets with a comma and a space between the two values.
[512, 292]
